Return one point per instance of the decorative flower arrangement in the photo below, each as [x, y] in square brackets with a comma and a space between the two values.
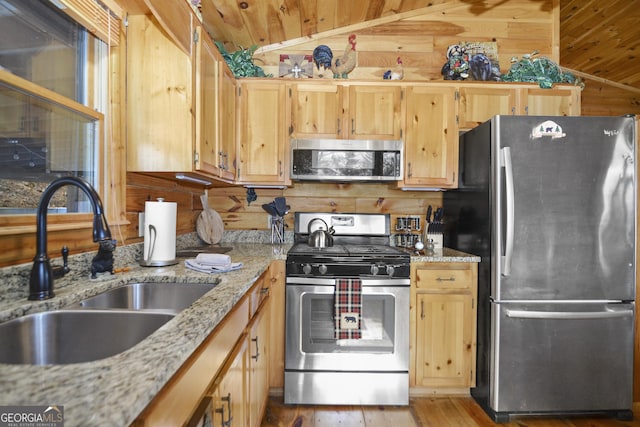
[541, 70]
[241, 62]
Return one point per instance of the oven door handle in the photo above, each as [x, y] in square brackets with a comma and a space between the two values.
[383, 281]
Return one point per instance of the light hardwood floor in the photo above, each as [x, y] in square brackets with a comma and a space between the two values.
[422, 412]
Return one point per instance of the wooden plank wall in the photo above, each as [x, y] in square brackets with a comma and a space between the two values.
[602, 99]
[239, 214]
[422, 38]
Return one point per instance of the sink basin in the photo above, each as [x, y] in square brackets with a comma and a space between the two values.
[74, 336]
[170, 297]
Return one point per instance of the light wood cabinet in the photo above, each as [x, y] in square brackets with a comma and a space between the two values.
[228, 376]
[227, 115]
[345, 111]
[316, 110]
[374, 112]
[478, 102]
[229, 393]
[431, 137]
[443, 326]
[262, 134]
[558, 101]
[215, 111]
[175, 119]
[160, 120]
[277, 324]
[207, 86]
[259, 365]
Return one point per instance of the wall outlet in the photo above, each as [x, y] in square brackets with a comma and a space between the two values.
[140, 224]
[269, 218]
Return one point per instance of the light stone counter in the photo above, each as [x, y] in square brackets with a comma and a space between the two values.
[444, 255]
[113, 391]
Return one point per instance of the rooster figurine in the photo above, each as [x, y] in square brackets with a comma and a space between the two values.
[343, 65]
[322, 56]
[397, 73]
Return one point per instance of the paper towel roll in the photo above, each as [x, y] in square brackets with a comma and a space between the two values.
[159, 233]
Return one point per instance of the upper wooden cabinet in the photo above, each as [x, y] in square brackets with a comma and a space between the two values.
[215, 111]
[478, 102]
[559, 101]
[227, 128]
[262, 134]
[175, 122]
[316, 110]
[374, 112]
[345, 111]
[431, 137]
[160, 121]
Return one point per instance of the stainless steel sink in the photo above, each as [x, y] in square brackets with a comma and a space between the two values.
[171, 297]
[73, 336]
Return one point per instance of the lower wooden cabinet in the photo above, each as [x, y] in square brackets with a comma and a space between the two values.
[229, 394]
[226, 381]
[443, 326]
[258, 355]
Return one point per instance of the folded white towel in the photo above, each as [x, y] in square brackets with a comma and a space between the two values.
[208, 268]
[217, 260]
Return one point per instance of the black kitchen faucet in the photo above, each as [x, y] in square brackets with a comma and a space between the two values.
[41, 279]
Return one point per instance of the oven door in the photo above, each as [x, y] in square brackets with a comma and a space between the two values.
[310, 340]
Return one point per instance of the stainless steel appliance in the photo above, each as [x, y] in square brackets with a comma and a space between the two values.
[323, 369]
[346, 160]
[549, 203]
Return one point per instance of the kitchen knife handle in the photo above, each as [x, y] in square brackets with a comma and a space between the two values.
[509, 203]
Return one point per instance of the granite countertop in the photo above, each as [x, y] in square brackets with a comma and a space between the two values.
[444, 255]
[113, 391]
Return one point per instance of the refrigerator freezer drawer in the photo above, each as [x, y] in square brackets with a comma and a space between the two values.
[562, 358]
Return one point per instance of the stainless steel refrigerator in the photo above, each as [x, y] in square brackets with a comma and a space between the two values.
[549, 204]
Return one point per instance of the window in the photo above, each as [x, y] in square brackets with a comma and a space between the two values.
[50, 70]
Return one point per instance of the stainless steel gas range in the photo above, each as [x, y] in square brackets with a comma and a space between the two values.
[347, 314]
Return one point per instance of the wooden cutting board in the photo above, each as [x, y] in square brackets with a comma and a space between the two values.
[209, 225]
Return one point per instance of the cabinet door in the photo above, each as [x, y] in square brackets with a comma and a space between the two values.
[259, 365]
[316, 110]
[206, 81]
[374, 112]
[559, 101]
[444, 344]
[431, 138]
[479, 104]
[229, 398]
[159, 91]
[261, 128]
[227, 111]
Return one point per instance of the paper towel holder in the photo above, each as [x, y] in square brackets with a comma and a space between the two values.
[147, 259]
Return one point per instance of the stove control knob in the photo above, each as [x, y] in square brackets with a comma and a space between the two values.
[306, 268]
[390, 270]
[374, 269]
[322, 269]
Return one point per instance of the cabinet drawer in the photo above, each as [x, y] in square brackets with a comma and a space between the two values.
[451, 278]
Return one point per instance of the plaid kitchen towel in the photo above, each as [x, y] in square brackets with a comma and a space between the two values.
[348, 309]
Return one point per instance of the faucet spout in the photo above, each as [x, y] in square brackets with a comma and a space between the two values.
[41, 279]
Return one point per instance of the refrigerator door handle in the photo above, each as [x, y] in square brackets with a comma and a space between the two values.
[608, 313]
[509, 203]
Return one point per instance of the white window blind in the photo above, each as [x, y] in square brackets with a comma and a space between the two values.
[102, 19]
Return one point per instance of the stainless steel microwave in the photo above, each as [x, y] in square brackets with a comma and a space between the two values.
[346, 160]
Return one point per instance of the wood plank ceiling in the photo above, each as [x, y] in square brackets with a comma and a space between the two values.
[598, 38]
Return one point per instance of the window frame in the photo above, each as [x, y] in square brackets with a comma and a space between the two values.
[19, 230]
